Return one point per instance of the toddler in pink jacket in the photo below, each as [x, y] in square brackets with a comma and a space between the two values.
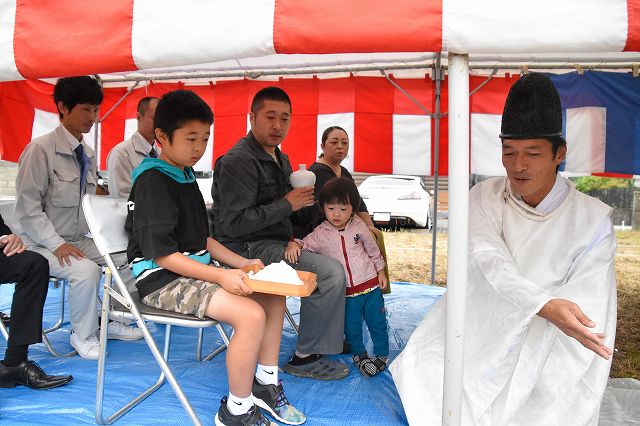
[343, 236]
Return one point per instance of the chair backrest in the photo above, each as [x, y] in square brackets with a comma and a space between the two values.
[105, 217]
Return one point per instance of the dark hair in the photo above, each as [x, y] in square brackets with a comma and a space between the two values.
[143, 104]
[325, 135]
[72, 91]
[557, 142]
[339, 191]
[176, 108]
[271, 93]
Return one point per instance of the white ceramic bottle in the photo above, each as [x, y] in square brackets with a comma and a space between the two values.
[302, 177]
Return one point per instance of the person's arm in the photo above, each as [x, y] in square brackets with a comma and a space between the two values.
[153, 227]
[310, 243]
[4, 229]
[238, 188]
[32, 184]
[371, 247]
[313, 242]
[229, 279]
[363, 212]
[224, 255]
[366, 218]
[489, 252]
[593, 272]
[120, 167]
[11, 244]
[489, 255]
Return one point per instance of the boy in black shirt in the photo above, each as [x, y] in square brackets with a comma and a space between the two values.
[170, 251]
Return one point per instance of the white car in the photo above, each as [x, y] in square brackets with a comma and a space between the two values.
[396, 200]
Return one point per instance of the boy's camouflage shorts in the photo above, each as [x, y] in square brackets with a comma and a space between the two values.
[183, 295]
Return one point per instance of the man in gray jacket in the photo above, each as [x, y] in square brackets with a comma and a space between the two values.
[54, 172]
[126, 156]
[253, 205]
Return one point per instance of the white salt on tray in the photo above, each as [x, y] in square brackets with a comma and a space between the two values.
[277, 272]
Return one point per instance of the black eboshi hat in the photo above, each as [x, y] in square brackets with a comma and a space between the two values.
[532, 109]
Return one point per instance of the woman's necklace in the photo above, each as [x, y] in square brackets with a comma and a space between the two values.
[337, 171]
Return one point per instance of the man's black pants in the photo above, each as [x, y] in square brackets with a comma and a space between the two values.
[30, 272]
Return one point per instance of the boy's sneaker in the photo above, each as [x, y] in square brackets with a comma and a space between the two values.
[87, 348]
[120, 331]
[273, 399]
[253, 417]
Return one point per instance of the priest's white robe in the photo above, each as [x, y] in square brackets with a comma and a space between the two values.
[520, 369]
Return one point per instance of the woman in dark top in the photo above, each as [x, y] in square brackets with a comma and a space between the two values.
[335, 146]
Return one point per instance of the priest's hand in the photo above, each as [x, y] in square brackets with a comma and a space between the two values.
[570, 319]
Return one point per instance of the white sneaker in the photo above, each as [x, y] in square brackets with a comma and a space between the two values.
[120, 331]
[87, 348]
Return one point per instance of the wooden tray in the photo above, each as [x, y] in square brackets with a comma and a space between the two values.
[271, 287]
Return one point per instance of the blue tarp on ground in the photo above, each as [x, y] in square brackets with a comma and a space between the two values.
[131, 367]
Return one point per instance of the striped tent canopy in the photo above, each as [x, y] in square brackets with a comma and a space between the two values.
[48, 39]
[328, 56]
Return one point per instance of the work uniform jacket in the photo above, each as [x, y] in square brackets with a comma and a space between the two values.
[121, 161]
[48, 195]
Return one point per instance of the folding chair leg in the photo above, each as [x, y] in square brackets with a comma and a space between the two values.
[45, 339]
[222, 347]
[291, 320]
[161, 359]
[58, 282]
[199, 344]
[52, 351]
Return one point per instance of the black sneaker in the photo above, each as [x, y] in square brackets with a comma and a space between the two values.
[273, 399]
[253, 417]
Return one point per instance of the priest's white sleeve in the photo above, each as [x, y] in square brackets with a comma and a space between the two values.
[490, 258]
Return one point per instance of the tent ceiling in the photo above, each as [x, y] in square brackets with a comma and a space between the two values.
[402, 64]
[50, 39]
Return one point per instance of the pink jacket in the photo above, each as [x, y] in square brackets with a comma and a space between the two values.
[355, 248]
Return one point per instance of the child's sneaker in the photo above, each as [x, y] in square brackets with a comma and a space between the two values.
[369, 366]
[253, 417]
[273, 399]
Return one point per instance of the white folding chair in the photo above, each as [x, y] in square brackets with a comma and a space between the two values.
[61, 284]
[106, 217]
[6, 210]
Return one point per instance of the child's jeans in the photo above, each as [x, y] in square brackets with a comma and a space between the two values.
[369, 306]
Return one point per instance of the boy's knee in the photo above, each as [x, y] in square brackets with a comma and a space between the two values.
[257, 317]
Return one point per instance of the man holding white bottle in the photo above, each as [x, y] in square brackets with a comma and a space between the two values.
[253, 206]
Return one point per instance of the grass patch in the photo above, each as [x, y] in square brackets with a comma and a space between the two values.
[409, 256]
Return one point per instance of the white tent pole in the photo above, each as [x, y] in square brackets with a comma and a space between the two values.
[438, 75]
[458, 236]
